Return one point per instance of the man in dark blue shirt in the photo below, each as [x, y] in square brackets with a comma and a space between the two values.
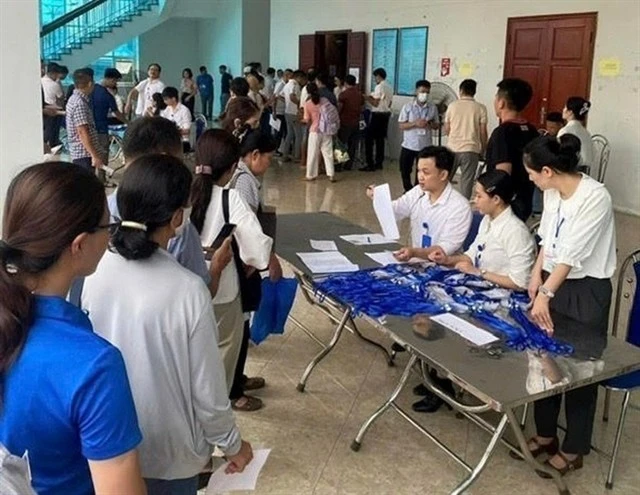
[205, 87]
[225, 87]
[103, 103]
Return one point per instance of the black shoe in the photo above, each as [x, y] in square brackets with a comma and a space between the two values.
[421, 390]
[395, 347]
[429, 404]
[368, 168]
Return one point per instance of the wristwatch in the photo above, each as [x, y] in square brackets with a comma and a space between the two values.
[546, 292]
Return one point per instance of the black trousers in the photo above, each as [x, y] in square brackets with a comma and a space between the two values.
[282, 132]
[522, 205]
[190, 104]
[51, 128]
[348, 134]
[239, 378]
[375, 135]
[407, 161]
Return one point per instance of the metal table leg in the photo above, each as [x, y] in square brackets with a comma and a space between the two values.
[388, 357]
[323, 353]
[356, 444]
[524, 450]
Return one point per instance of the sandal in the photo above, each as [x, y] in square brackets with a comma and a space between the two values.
[569, 466]
[551, 449]
[246, 403]
[254, 383]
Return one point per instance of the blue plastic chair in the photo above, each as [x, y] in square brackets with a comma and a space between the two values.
[473, 230]
[201, 125]
[626, 383]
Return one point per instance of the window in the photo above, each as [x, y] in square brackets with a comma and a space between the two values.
[124, 58]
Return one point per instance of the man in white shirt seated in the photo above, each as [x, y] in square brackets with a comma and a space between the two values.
[177, 113]
[145, 90]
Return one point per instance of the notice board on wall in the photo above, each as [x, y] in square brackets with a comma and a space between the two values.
[402, 52]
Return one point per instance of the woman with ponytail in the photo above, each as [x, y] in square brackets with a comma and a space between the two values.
[575, 114]
[159, 315]
[570, 286]
[65, 399]
[217, 155]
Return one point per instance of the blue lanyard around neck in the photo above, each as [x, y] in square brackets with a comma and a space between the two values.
[559, 223]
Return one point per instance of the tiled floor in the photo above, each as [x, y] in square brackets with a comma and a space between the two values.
[310, 433]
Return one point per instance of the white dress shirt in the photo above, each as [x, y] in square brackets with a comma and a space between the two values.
[417, 138]
[159, 315]
[181, 116]
[447, 221]
[277, 92]
[304, 96]
[146, 89]
[53, 93]
[575, 127]
[383, 92]
[579, 231]
[291, 88]
[253, 244]
[504, 246]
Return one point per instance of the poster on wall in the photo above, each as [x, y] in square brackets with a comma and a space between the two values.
[412, 58]
[355, 72]
[385, 49]
[445, 67]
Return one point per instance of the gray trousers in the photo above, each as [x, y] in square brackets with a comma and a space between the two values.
[467, 162]
[293, 138]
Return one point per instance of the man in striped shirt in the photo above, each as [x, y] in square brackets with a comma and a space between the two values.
[81, 127]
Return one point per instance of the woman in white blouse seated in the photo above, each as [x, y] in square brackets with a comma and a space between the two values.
[159, 315]
[217, 156]
[503, 251]
[575, 114]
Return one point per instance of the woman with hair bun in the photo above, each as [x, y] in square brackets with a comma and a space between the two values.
[159, 315]
[503, 252]
[570, 286]
[575, 114]
[65, 401]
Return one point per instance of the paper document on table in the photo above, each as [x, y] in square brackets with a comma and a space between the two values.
[367, 239]
[274, 123]
[323, 245]
[327, 262]
[384, 211]
[384, 258]
[220, 482]
[472, 333]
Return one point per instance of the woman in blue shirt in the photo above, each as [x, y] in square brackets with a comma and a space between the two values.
[65, 401]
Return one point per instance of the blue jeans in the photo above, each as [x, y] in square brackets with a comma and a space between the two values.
[188, 486]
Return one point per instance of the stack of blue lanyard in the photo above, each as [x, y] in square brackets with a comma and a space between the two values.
[402, 290]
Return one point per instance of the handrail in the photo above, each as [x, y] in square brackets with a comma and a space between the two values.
[70, 16]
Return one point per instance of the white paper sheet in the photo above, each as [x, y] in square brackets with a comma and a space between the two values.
[367, 239]
[274, 123]
[355, 72]
[384, 211]
[472, 333]
[220, 482]
[384, 258]
[323, 245]
[327, 262]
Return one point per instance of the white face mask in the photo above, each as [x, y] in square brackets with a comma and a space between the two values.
[186, 213]
[423, 97]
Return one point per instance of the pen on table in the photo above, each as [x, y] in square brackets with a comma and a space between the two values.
[369, 239]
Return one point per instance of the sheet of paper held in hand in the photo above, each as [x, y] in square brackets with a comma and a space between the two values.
[220, 482]
[327, 262]
[387, 258]
[367, 239]
[384, 211]
[323, 245]
[472, 333]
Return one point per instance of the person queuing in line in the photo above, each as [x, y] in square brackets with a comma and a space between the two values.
[174, 324]
[504, 251]
[465, 123]
[320, 142]
[225, 87]
[554, 122]
[217, 154]
[53, 98]
[256, 151]
[322, 82]
[279, 74]
[279, 108]
[204, 81]
[291, 94]
[269, 86]
[575, 114]
[82, 134]
[570, 286]
[253, 79]
[104, 104]
[188, 91]
[241, 112]
[350, 103]
[304, 97]
[179, 114]
[376, 132]
[145, 90]
[338, 86]
[416, 120]
[68, 407]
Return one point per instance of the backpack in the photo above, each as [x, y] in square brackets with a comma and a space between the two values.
[329, 118]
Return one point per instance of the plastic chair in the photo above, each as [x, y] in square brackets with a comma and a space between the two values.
[473, 230]
[201, 125]
[626, 383]
[603, 150]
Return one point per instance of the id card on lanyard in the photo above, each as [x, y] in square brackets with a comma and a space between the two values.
[551, 248]
[426, 238]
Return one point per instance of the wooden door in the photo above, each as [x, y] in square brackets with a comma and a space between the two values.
[307, 51]
[357, 55]
[555, 55]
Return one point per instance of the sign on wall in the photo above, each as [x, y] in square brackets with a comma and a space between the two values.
[385, 52]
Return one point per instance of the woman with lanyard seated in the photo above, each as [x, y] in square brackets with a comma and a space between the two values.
[504, 250]
[65, 401]
[570, 285]
[159, 315]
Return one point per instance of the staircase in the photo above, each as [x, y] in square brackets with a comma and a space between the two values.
[96, 27]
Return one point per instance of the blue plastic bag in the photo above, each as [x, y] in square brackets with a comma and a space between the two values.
[275, 305]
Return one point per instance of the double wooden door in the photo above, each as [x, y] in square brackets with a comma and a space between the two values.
[555, 55]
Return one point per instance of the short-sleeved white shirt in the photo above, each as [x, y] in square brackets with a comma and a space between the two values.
[291, 88]
[146, 89]
[383, 92]
[180, 115]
